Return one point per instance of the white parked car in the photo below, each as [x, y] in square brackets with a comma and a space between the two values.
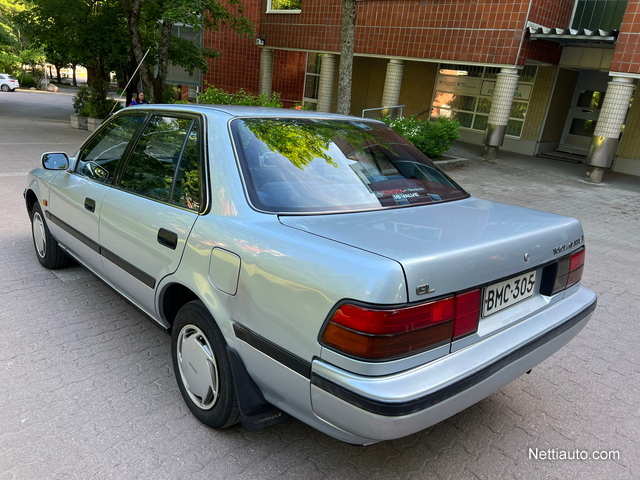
[8, 83]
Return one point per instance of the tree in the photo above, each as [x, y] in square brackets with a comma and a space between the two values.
[346, 56]
[150, 23]
[10, 38]
[87, 32]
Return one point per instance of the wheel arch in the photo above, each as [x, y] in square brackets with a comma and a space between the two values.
[30, 199]
[172, 298]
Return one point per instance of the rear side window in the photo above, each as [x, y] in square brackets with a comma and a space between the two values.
[98, 159]
[311, 165]
[165, 163]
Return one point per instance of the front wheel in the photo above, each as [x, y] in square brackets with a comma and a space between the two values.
[49, 253]
[201, 366]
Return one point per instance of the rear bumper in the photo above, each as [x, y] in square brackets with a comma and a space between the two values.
[393, 406]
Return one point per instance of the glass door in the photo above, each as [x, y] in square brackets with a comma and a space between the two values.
[584, 112]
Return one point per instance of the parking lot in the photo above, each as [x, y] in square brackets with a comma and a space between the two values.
[87, 387]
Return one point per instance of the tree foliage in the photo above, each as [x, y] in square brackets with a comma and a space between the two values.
[302, 141]
[150, 24]
[11, 42]
[87, 32]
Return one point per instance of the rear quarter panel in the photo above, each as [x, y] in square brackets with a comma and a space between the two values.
[289, 281]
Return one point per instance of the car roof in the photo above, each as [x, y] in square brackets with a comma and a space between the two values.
[245, 111]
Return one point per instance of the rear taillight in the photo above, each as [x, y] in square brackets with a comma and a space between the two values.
[376, 334]
[563, 274]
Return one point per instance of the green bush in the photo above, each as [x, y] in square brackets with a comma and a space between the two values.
[217, 96]
[80, 101]
[171, 93]
[431, 138]
[26, 80]
[93, 102]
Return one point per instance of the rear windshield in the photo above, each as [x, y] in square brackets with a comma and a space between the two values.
[12, 78]
[293, 165]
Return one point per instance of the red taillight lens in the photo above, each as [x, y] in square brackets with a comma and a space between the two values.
[576, 269]
[376, 334]
[569, 271]
[387, 322]
[467, 314]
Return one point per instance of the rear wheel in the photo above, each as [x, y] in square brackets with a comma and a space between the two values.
[5, 88]
[201, 366]
[49, 253]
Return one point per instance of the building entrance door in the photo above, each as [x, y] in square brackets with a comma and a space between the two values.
[587, 101]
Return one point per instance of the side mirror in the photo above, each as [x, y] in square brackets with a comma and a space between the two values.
[55, 161]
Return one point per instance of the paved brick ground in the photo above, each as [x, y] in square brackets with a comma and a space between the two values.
[87, 388]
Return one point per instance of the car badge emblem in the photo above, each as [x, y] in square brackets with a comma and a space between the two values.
[526, 256]
[424, 289]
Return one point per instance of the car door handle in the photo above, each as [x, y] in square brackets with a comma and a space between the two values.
[167, 238]
[90, 204]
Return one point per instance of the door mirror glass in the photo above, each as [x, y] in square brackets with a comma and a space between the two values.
[55, 161]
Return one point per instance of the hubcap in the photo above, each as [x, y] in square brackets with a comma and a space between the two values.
[39, 237]
[198, 368]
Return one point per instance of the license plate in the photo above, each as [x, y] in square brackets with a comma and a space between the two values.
[504, 294]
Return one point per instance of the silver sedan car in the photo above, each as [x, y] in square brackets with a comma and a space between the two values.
[311, 265]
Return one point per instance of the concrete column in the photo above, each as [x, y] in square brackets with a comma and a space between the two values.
[501, 103]
[266, 70]
[392, 85]
[605, 136]
[325, 85]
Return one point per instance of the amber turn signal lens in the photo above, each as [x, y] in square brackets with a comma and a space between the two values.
[378, 347]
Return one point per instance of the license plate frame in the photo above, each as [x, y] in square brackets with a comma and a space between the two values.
[494, 295]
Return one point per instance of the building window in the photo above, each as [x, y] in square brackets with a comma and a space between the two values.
[284, 6]
[311, 81]
[465, 92]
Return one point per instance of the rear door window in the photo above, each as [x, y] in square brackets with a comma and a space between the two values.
[99, 158]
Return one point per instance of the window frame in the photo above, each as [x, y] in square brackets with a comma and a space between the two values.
[200, 124]
[309, 100]
[271, 10]
[125, 154]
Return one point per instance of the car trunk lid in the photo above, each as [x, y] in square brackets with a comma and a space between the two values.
[452, 246]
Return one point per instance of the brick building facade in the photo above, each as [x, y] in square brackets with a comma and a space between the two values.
[539, 76]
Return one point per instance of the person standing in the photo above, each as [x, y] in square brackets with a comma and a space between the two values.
[139, 100]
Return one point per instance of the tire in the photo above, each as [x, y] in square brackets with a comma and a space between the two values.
[5, 88]
[201, 366]
[48, 251]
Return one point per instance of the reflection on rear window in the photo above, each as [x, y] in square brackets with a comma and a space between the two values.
[305, 165]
